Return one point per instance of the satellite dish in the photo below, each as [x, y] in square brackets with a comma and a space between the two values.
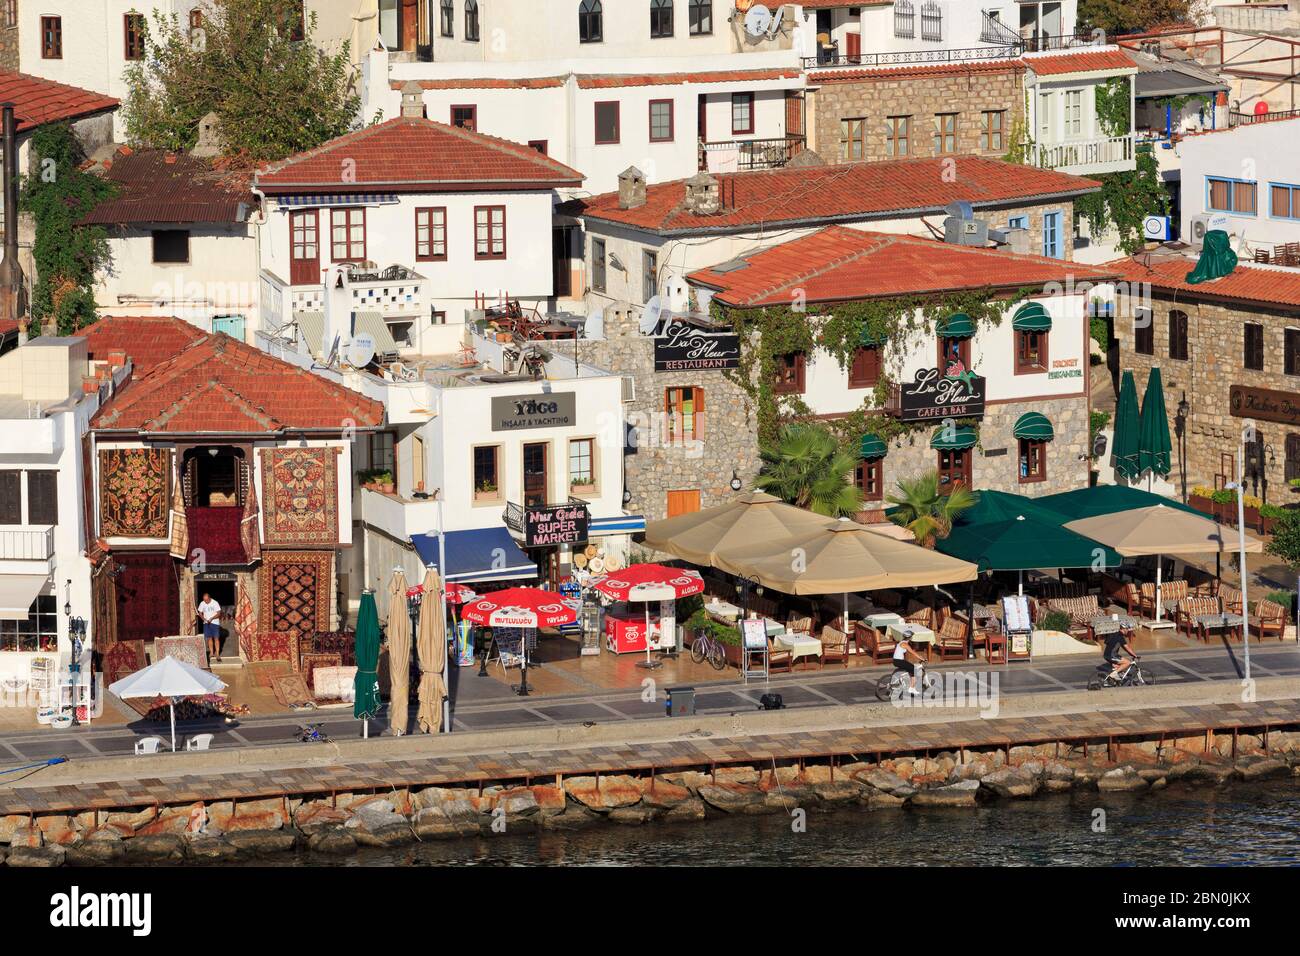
[757, 20]
[650, 316]
[360, 352]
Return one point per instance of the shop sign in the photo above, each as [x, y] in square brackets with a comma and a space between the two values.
[1065, 368]
[1266, 404]
[684, 349]
[549, 525]
[934, 396]
[512, 413]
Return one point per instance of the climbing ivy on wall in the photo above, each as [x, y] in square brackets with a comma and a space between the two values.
[1114, 106]
[901, 324]
[1124, 201]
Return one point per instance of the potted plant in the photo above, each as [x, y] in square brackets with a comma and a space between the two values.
[486, 491]
[729, 637]
[1201, 498]
[385, 481]
[1293, 484]
[582, 485]
[1224, 502]
[1269, 516]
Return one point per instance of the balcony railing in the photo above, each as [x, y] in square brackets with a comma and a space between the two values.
[995, 31]
[26, 543]
[752, 153]
[912, 57]
[1109, 154]
[395, 292]
[1041, 43]
[1243, 119]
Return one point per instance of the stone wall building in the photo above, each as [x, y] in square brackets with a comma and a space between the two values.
[9, 35]
[1230, 348]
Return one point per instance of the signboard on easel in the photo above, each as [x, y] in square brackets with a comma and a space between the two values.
[1019, 628]
[753, 646]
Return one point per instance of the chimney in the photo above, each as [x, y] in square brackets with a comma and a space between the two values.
[11, 274]
[337, 320]
[703, 195]
[631, 188]
[412, 100]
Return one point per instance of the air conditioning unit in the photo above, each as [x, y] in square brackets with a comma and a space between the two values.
[965, 232]
[1200, 225]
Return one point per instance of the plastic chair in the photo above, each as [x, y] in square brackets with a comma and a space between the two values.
[148, 745]
[199, 742]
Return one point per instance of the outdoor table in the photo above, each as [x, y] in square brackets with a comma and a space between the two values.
[799, 645]
[723, 609]
[1104, 624]
[881, 620]
[1219, 622]
[773, 627]
[914, 633]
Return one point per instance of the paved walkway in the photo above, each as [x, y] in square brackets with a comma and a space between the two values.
[542, 765]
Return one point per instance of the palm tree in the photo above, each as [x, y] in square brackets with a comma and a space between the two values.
[807, 467]
[925, 511]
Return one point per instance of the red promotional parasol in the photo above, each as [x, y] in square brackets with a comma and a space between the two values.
[460, 594]
[650, 582]
[520, 607]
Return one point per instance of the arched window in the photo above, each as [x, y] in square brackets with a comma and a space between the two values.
[447, 18]
[471, 20]
[661, 18]
[590, 26]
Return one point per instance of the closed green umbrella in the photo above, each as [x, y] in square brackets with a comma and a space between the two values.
[1127, 426]
[1154, 446]
[366, 702]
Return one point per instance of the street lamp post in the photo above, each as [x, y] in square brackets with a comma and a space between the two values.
[1240, 487]
[1180, 427]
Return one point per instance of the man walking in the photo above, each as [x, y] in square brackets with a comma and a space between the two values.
[210, 613]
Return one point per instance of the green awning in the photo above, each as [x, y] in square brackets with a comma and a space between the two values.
[959, 437]
[959, 325]
[1032, 317]
[873, 447]
[870, 338]
[1034, 426]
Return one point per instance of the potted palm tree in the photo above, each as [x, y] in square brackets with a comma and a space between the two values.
[807, 467]
[926, 511]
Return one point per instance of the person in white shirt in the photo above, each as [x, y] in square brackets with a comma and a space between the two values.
[210, 613]
[906, 659]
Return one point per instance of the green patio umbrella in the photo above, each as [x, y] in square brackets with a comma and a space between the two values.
[366, 702]
[1104, 500]
[1154, 446]
[1127, 430]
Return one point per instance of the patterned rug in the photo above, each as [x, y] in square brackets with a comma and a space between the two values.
[300, 495]
[276, 646]
[295, 592]
[134, 492]
[190, 648]
[290, 689]
[312, 660]
[123, 659]
[263, 672]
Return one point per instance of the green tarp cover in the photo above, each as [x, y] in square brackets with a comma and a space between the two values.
[961, 436]
[1154, 446]
[959, 325]
[1124, 445]
[1034, 425]
[1006, 532]
[1031, 317]
[873, 447]
[1217, 258]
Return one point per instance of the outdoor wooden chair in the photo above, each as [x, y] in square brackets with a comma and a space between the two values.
[1169, 591]
[1190, 608]
[779, 659]
[873, 642]
[1081, 609]
[799, 624]
[950, 642]
[923, 616]
[1231, 599]
[1269, 618]
[835, 646]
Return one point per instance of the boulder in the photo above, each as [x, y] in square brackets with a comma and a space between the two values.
[60, 830]
[156, 848]
[516, 802]
[93, 852]
[549, 799]
[454, 819]
[738, 775]
[1121, 780]
[692, 809]
[335, 841]
[10, 823]
[28, 835]
[575, 817]
[213, 848]
[879, 800]
[663, 795]
[319, 814]
[615, 790]
[1211, 773]
[964, 793]
[1262, 769]
[732, 797]
[634, 816]
[176, 823]
[259, 842]
[889, 783]
[1013, 782]
[839, 791]
[390, 834]
[36, 856]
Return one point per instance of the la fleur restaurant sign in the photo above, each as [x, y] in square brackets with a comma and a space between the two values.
[684, 349]
[932, 395]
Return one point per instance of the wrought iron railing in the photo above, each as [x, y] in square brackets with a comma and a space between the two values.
[756, 153]
[1235, 118]
[513, 516]
[1041, 43]
[993, 30]
[911, 57]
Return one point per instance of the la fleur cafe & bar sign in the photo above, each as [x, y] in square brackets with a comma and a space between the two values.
[932, 395]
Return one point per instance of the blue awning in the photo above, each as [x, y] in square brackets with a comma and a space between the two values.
[622, 524]
[485, 554]
[302, 200]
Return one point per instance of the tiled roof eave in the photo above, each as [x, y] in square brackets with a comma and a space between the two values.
[444, 185]
[781, 296]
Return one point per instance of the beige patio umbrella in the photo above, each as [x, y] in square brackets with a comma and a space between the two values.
[754, 519]
[431, 646]
[1161, 530]
[843, 557]
[399, 654]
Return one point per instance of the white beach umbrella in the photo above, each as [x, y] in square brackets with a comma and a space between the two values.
[170, 678]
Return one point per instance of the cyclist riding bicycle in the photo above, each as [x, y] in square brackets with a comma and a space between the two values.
[906, 659]
[1118, 653]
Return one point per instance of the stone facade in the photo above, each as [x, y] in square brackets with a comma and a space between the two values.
[9, 35]
[657, 466]
[1215, 364]
[968, 94]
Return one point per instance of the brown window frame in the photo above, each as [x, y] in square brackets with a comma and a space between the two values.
[989, 134]
[791, 374]
[853, 136]
[672, 121]
[51, 38]
[427, 213]
[1180, 349]
[618, 122]
[865, 366]
[941, 135]
[868, 478]
[742, 97]
[473, 116]
[1037, 448]
[893, 126]
[347, 212]
[1291, 351]
[490, 254]
[964, 472]
[1252, 353]
[133, 39]
[1144, 336]
[498, 493]
[942, 359]
[1024, 365]
[674, 419]
[49, 501]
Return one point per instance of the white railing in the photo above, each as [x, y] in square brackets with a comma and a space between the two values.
[26, 543]
[1109, 154]
[398, 517]
[394, 292]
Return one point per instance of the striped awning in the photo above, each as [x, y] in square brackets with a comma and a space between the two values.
[1032, 317]
[955, 438]
[621, 524]
[873, 446]
[959, 325]
[338, 199]
[1035, 426]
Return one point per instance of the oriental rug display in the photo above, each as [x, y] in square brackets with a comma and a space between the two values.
[276, 646]
[343, 643]
[295, 592]
[215, 532]
[290, 689]
[263, 672]
[122, 660]
[300, 496]
[148, 595]
[134, 492]
[245, 619]
[180, 547]
[312, 660]
[335, 683]
[190, 648]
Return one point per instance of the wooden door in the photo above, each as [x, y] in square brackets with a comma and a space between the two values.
[410, 25]
[853, 46]
[683, 502]
[304, 247]
[954, 469]
[417, 463]
[535, 473]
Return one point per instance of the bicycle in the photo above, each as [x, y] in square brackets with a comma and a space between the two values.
[1130, 676]
[894, 685]
[706, 647]
[311, 734]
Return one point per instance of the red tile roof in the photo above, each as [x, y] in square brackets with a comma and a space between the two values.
[1247, 283]
[1083, 61]
[484, 83]
[7, 326]
[834, 4]
[157, 186]
[148, 340]
[605, 81]
[408, 154]
[38, 101]
[839, 264]
[911, 70]
[850, 192]
[219, 385]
